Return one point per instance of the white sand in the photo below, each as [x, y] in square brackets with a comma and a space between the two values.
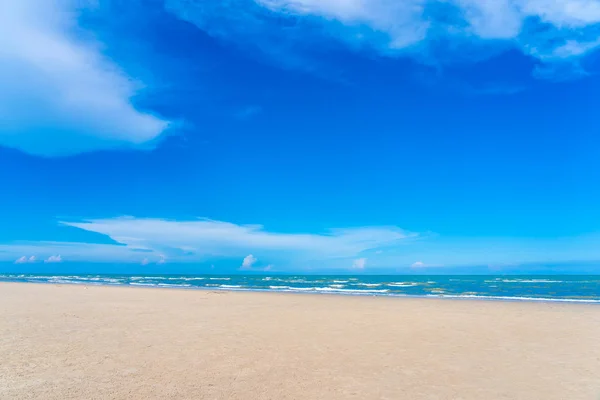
[68, 342]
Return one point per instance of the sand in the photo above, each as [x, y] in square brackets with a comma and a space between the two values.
[72, 342]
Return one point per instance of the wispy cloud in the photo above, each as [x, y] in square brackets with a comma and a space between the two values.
[201, 238]
[60, 95]
[286, 30]
[421, 264]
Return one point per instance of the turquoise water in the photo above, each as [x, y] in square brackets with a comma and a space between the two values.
[576, 288]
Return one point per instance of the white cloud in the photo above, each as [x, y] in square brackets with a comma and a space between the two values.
[411, 21]
[546, 29]
[421, 264]
[402, 20]
[59, 94]
[248, 261]
[145, 261]
[573, 48]
[54, 259]
[25, 260]
[73, 251]
[359, 263]
[201, 238]
[563, 13]
[208, 241]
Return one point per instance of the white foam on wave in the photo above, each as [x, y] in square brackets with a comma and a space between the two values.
[369, 284]
[174, 285]
[142, 284]
[97, 279]
[68, 281]
[525, 281]
[402, 284]
[335, 281]
[230, 286]
[139, 278]
[326, 289]
[220, 279]
[196, 278]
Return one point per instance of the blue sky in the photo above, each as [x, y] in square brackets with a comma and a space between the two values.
[300, 135]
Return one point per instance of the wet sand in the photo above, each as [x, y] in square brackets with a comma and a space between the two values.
[72, 342]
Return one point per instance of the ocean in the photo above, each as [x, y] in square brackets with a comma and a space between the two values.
[566, 288]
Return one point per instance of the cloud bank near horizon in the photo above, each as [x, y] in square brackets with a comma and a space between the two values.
[156, 242]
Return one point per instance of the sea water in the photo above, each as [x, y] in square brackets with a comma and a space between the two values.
[569, 288]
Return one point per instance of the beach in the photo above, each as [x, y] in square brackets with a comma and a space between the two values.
[100, 342]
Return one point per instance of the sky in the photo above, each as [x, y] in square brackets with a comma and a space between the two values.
[300, 136]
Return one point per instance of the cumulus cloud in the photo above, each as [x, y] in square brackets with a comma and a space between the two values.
[60, 95]
[25, 260]
[546, 29]
[248, 261]
[359, 263]
[53, 259]
[73, 251]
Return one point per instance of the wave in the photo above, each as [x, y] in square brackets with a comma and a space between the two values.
[525, 281]
[356, 291]
[325, 289]
[581, 290]
[402, 284]
[191, 279]
[137, 278]
[174, 285]
[66, 281]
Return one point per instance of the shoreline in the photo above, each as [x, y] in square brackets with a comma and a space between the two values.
[349, 293]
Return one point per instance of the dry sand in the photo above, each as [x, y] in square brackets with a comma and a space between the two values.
[69, 342]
